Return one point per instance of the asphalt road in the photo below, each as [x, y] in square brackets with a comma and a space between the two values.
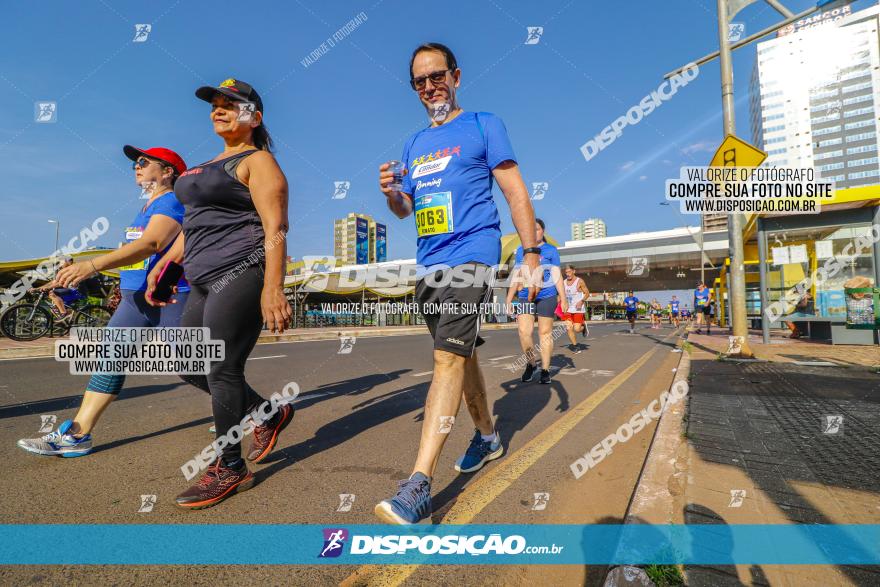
[356, 432]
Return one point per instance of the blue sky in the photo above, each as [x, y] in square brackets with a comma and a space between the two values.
[340, 117]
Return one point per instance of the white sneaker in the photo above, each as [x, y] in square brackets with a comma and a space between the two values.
[59, 443]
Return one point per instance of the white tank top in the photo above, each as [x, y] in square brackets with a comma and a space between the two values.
[574, 295]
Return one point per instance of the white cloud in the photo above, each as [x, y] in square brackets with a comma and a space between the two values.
[627, 166]
[643, 177]
[700, 147]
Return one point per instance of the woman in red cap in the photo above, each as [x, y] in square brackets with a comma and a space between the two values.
[148, 239]
[233, 248]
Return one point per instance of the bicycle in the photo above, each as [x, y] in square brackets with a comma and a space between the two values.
[30, 321]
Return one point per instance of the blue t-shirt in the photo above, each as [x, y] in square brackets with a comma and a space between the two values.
[701, 297]
[549, 256]
[134, 276]
[674, 304]
[631, 303]
[450, 181]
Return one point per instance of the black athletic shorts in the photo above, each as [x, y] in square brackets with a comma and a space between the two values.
[449, 300]
[543, 308]
[706, 310]
[633, 315]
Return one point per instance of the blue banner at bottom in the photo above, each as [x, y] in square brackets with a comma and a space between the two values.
[503, 544]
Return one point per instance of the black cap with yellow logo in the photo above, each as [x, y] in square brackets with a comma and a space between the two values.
[233, 89]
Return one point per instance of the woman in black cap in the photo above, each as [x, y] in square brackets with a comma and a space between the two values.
[233, 248]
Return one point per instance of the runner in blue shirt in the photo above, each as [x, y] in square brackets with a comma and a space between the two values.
[631, 303]
[703, 307]
[447, 185]
[673, 310]
[147, 239]
[543, 306]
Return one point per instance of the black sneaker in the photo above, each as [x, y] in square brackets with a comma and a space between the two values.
[216, 484]
[575, 348]
[528, 373]
[545, 376]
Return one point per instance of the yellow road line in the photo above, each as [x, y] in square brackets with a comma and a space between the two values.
[497, 479]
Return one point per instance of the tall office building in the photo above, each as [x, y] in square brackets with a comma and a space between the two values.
[590, 228]
[815, 91]
[358, 239]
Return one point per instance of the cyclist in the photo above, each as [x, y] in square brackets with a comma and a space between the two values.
[473, 150]
[235, 232]
[148, 238]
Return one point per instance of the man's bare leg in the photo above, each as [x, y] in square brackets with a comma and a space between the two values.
[572, 327]
[475, 396]
[444, 400]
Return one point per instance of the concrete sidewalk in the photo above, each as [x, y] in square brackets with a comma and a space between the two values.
[780, 441]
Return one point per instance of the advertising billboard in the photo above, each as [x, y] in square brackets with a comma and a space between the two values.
[381, 243]
[362, 242]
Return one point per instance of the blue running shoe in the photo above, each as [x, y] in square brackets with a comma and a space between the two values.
[479, 453]
[411, 505]
[59, 443]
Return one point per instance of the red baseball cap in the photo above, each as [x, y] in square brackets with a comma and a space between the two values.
[162, 154]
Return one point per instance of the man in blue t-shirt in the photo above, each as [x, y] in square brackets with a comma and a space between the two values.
[543, 306]
[703, 307]
[447, 185]
[631, 304]
[674, 311]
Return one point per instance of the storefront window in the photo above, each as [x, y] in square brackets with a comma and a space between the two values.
[796, 255]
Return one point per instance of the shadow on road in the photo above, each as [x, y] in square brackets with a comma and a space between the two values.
[58, 404]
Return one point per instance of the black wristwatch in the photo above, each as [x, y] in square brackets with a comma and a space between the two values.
[536, 250]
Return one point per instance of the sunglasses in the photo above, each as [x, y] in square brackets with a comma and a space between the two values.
[436, 77]
[142, 162]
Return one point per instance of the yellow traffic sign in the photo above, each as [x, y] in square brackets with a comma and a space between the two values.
[735, 152]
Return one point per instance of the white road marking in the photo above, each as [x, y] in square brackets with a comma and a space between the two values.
[269, 357]
[504, 357]
[422, 374]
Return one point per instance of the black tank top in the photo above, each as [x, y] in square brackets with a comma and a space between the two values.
[221, 227]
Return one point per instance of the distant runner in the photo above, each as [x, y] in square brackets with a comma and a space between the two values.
[576, 294]
[631, 302]
[702, 307]
[674, 311]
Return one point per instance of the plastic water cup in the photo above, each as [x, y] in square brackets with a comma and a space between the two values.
[396, 167]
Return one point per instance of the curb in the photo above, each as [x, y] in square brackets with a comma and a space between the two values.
[662, 479]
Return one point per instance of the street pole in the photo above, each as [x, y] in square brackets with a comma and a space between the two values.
[57, 224]
[739, 344]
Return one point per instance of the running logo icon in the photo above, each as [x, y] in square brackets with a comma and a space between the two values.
[246, 111]
[541, 501]
[533, 35]
[141, 32]
[637, 266]
[340, 189]
[47, 423]
[735, 31]
[446, 424]
[439, 111]
[45, 111]
[346, 500]
[334, 540]
[346, 344]
[737, 497]
[832, 424]
[147, 503]
[539, 189]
